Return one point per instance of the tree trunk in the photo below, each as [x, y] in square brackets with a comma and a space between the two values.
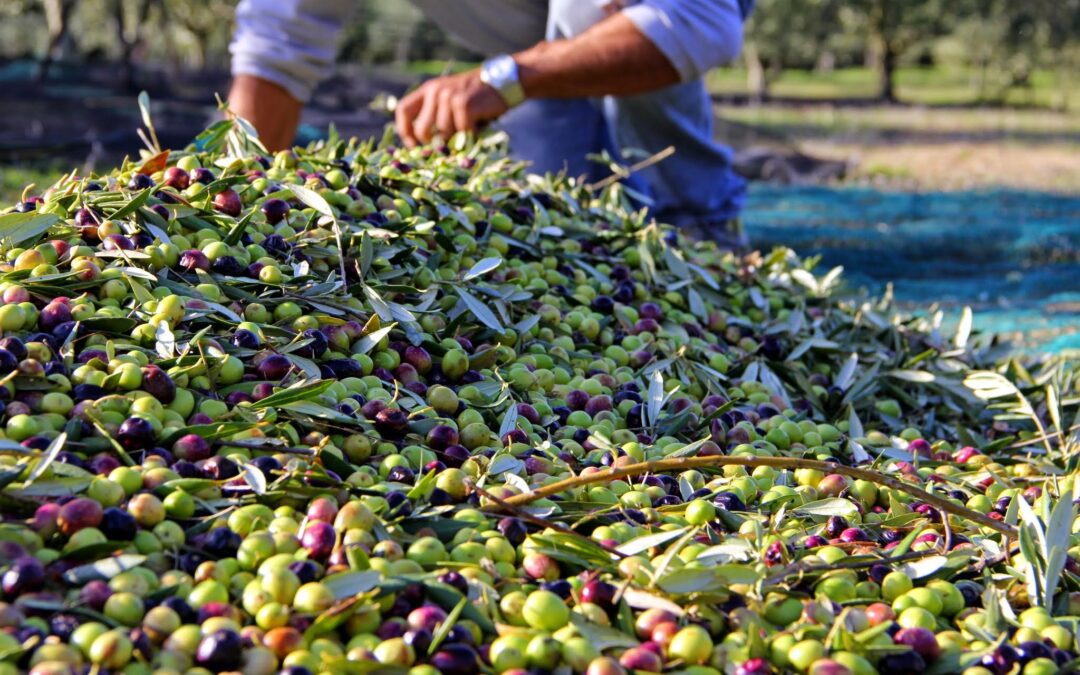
[756, 81]
[56, 19]
[883, 17]
[887, 74]
[128, 47]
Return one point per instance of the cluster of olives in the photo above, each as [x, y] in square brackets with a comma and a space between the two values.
[263, 414]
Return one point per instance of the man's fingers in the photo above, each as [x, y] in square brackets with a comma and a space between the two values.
[463, 117]
[425, 119]
[404, 115]
[444, 117]
[446, 105]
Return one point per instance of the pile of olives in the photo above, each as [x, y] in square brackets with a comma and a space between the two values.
[286, 413]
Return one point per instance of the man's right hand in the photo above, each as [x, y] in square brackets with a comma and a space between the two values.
[273, 111]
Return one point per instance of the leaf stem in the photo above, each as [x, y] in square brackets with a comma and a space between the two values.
[684, 463]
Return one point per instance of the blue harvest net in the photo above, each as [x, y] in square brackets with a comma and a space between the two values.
[1013, 256]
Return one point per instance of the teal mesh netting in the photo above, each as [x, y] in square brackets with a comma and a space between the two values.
[1014, 256]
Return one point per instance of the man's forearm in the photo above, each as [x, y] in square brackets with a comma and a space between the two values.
[613, 58]
[273, 111]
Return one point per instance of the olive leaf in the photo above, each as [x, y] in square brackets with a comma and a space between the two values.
[647, 541]
[835, 506]
[481, 311]
[303, 392]
[352, 583]
[103, 570]
[481, 268]
[51, 453]
[16, 228]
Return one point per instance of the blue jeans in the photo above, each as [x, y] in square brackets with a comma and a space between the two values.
[694, 188]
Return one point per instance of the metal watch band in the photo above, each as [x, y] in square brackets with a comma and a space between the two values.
[501, 74]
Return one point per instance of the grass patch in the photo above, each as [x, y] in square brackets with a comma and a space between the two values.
[927, 86]
[15, 178]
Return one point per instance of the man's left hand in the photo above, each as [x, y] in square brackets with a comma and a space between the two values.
[446, 105]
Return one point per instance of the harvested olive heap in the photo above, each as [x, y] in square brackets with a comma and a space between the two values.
[358, 408]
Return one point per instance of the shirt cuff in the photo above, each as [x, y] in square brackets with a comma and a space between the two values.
[693, 44]
[659, 28]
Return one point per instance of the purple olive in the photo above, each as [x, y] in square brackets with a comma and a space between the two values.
[262, 390]
[514, 530]
[319, 539]
[202, 175]
[441, 437]
[426, 617]
[94, 594]
[598, 404]
[647, 325]
[176, 178]
[599, 593]
[275, 210]
[229, 266]
[515, 436]
[418, 358]
[729, 501]
[456, 580]
[118, 525]
[228, 202]
[53, 314]
[391, 422]
[118, 242]
[577, 399]
[903, 663]
[755, 666]
[919, 639]
[136, 433]
[140, 181]
[418, 639]
[220, 651]
[221, 542]
[158, 384]
[643, 659]
[245, 339]
[274, 367]
[220, 468]
[650, 310]
[191, 448]
[194, 259]
[342, 368]
[455, 659]
[78, 514]
[834, 526]
[26, 575]
[853, 534]
[316, 344]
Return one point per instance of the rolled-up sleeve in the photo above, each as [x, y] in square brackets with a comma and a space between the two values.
[292, 43]
[695, 35]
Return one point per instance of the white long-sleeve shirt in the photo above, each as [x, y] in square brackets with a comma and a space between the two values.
[293, 42]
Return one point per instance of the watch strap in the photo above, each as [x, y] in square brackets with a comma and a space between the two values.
[501, 74]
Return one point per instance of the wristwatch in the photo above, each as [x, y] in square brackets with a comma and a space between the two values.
[501, 74]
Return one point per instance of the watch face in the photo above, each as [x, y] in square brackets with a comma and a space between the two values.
[502, 68]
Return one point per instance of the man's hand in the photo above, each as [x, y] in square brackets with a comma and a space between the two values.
[446, 105]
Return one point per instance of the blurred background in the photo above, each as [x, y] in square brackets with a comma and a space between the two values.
[934, 144]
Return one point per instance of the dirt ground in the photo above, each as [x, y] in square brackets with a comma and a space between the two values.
[958, 165]
[922, 148]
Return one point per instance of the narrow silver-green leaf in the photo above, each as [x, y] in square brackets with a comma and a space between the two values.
[48, 458]
[481, 311]
[481, 268]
